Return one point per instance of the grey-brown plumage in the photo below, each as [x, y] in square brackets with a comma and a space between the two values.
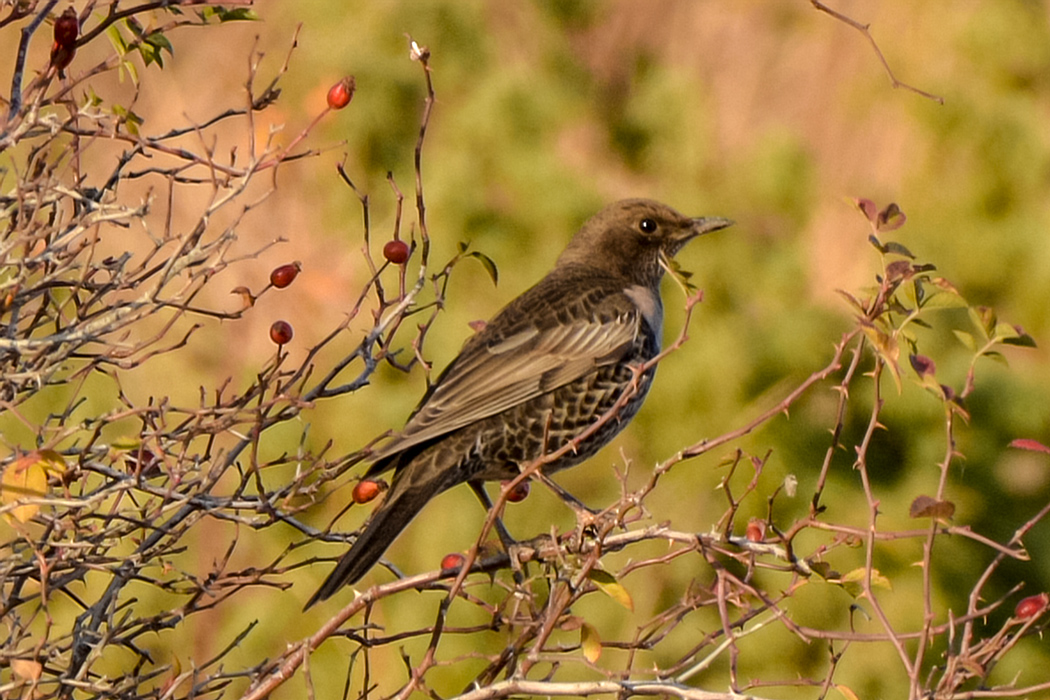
[546, 367]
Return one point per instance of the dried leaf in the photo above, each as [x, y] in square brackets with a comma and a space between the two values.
[568, 623]
[898, 269]
[27, 669]
[923, 366]
[928, 507]
[247, 298]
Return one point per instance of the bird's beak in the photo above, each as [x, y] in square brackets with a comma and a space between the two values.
[707, 224]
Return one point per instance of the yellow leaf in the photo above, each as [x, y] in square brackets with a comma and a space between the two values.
[611, 587]
[853, 581]
[126, 442]
[25, 478]
[591, 643]
[846, 691]
[888, 349]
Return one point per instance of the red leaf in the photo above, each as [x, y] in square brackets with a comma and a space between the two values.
[867, 208]
[1032, 445]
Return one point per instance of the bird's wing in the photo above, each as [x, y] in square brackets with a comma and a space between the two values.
[490, 377]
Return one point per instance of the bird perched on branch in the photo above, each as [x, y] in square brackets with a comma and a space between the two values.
[547, 367]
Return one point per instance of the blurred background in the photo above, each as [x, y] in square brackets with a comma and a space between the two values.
[772, 114]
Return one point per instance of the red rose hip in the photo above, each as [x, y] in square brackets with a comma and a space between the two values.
[284, 275]
[281, 332]
[519, 493]
[340, 94]
[1031, 606]
[396, 251]
[453, 561]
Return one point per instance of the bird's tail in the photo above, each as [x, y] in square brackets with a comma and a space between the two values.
[412, 488]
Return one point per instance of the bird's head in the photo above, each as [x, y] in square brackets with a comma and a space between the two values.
[629, 238]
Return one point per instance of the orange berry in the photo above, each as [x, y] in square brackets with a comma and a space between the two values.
[366, 490]
[340, 94]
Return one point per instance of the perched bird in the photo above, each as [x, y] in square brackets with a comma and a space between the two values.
[546, 367]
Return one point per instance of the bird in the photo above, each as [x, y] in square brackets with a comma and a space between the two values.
[546, 367]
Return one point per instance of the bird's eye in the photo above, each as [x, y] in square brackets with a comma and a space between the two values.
[647, 225]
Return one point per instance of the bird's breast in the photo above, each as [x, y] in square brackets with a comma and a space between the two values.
[647, 300]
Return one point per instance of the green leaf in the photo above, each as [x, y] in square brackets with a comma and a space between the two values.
[152, 47]
[941, 298]
[853, 581]
[851, 300]
[161, 42]
[995, 355]
[897, 249]
[823, 569]
[1023, 340]
[224, 15]
[117, 39]
[1013, 335]
[1004, 331]
[488, 264]
[966, 339]
[984, 318]
[126, 442]
[130, 119]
